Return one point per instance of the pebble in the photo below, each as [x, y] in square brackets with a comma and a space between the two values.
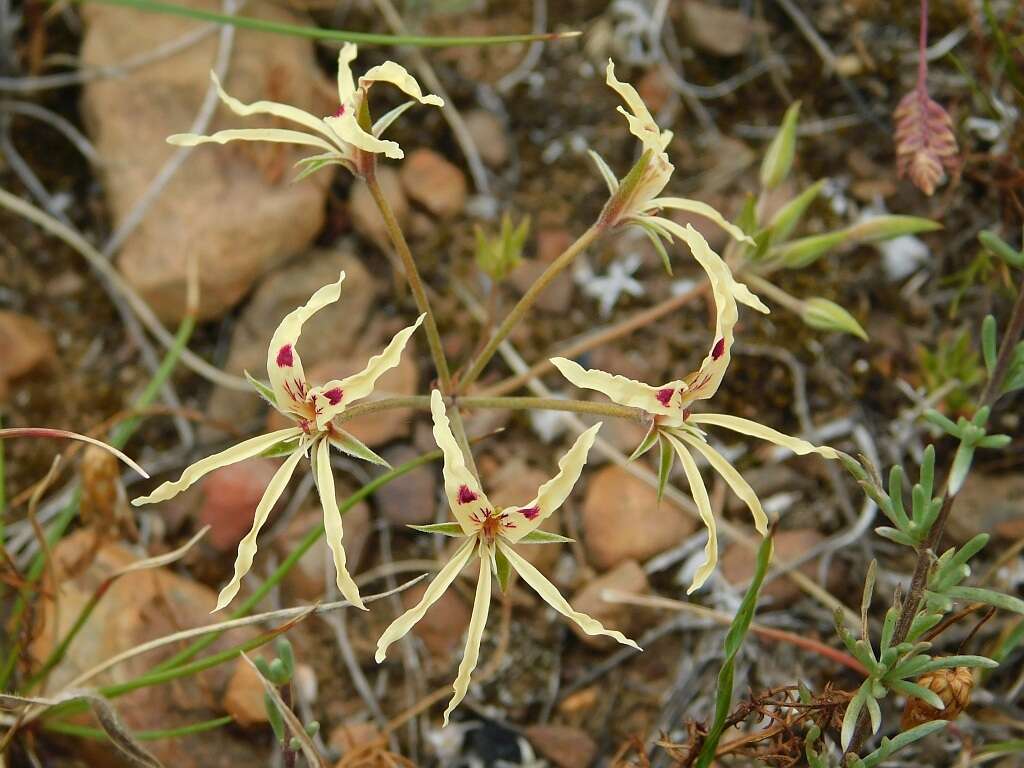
[737, 564]
[716, 30]
[442, 627]
[243, 699]
[489, 135]
[626, 577]
[434, 183]
[26, 346]
[366, 219]
[230, 495]
[563, 745]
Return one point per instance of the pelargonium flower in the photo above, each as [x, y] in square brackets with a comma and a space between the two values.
[635, 199]
[312, 408]
[490, 534]
[345, 137]
[680, 431]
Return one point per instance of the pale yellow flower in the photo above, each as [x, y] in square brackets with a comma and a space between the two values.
[342, 136]
[669, 404]
[635, 200]
[312, 409]
[490, 533]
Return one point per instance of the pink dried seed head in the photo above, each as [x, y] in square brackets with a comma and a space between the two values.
[665, 396]
[718, 350]
[334, 395]
[467, 495]
[530, 513]
[285, 357]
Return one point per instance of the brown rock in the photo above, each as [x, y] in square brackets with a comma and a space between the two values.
[230, 495]
[738, 563]
[276, 296]
[306, 581]
[654, 89]
[717, 30]
[551, 243]
[434, 183]
[442, 627]
[232, 207]
[137, 608]
[489, 135]
[626, 577]
[243, 699]
[412, 498]
[366, 219]
[26, 345]
[623, 520]
[563, 745]
[989, 503]
[558, 294]
[350, 737]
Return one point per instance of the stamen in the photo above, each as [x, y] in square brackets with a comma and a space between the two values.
[467, 495]
[285, 358]
[665, 396]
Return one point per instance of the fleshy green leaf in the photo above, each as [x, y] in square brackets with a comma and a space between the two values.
[353, 446]
[999, 247]
[504, 568]
[263, 390]
[879, 228]
[1015, 372]
[988, 596]
[797, 254]
[665, 459]
[988, 342]
[779, 157]
[788, 216]
[284, 448]
[733, 642]
[445, 529]
[891, 746]
[646, 444]
[825, 315]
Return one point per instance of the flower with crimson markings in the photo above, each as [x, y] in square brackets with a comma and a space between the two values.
[675, 428]
[490, 534]
[635, 199]
[346, 138]
[313, 410]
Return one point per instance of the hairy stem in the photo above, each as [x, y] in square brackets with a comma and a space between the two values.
[528, 299]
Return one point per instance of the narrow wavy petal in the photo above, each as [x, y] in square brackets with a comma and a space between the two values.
[621, 390]
[401, 626]
[549, 593]
[339, 394]
[552, 494]
[465, 496]
[346, 86]
[284, 367]
[699, 492]
[732, 477]
[641, 122]
[243, 450]
[752, 428]
[347, 129]
[471, 656]
[398, 76]
[701, 209]
[278, 135]
[332, 522]
[247, 546]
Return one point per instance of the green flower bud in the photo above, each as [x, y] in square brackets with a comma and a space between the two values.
[779, 157]
[826, 315]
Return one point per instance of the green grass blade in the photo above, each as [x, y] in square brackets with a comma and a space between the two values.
[319, 33]
[85, 732]
[733, 642]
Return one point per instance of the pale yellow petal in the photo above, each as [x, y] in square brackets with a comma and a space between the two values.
[641, 122]
[243, 450]
[549, 593]
[481, 606]
[465, 496]
[332, 522]
[283, 111]
[401, 626]
[701, 209]
[398, 76]
[620, 389]
[732, 477]
[699, 492]
[552, 494]
[346, 391]
[284, 367]
[247, 546]
[347, 129]
[346, 86]
[278, 135]
[752, 428]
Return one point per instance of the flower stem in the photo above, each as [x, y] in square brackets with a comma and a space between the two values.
[412, 274]
[556, 268]
[422, 402]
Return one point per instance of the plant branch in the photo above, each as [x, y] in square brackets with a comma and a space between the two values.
[422, 402]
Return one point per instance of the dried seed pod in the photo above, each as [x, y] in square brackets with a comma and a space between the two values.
[925, 143]
[101, 489]
[953, 686]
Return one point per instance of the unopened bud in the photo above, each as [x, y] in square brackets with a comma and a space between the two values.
[953, 686]
[874, 229]
[779, 157]
[826, 315]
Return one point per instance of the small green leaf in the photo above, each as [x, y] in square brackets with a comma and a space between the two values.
[286, 655]
[999, 247]
[852, 715]
[988, 596]
[733, 642]
[274, 717]
[797, 254]
[1015, 372]
[665, 459]
[879, 228]
[909, 689]
[825, 315]
[895, 536]
[284, 448]
[353, 446]
[788, 216]
[949, 662]
[646, 444]
[503, 567]
[891, 746]
[445, 529]
[779, 158]
[988, 342]
[263, 390]
[961, 467]
[545, 537]
[943, 423]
